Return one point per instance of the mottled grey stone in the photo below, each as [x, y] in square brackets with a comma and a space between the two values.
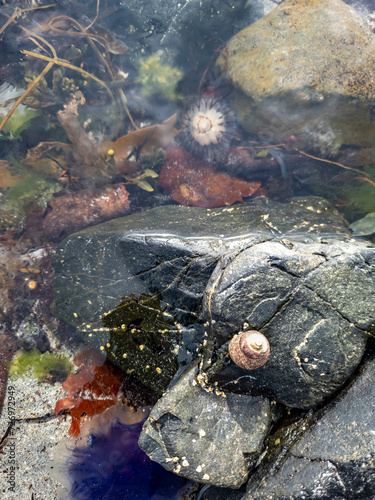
[206, 437]
[335, 458]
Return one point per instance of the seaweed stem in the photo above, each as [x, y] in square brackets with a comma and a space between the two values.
[332, 162]
[61, 62]
[90, 37]
[96, 16]
[25, 94]
[366, 180]
[18, 12]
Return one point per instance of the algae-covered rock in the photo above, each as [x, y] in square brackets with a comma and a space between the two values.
[307, 68]
[143, 341]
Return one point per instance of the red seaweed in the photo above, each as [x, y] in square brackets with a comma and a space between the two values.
[95, 376]
[71, 212]
[194, 182]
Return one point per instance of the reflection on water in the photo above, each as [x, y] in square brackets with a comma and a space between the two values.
[260, 116]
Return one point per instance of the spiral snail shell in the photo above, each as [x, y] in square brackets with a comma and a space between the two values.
[249, 350]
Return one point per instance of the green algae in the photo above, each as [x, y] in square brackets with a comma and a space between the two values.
[20, 120]
[143, 341]
[154, 160]
[158, 78]
[21, 117]
[43, 366]
[33, 186]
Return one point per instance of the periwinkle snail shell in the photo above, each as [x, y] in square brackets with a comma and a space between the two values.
[249, 350]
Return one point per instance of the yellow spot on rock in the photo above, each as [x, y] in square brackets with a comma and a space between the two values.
[32, 284]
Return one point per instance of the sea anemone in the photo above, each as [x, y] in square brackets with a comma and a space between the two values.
[208, 128]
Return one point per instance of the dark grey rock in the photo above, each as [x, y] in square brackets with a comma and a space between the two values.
[335, 458]
[216, 493]
[345, 281]
[174, 250]
[192, 432]
[175, 25]
[301, 297]
[288, 270]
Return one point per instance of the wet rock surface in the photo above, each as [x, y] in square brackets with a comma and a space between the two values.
[192, 432]
[335, 458]
[147, 251]
[301, 297]
[291, 271]
[331, 459]
[305, 69]
[296, 283]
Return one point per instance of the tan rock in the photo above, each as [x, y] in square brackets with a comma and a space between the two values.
[308, 69]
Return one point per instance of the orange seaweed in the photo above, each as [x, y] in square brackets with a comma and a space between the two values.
[66, 404]
[80, 407]
[143, 140]
[95, 376]
[194, 182]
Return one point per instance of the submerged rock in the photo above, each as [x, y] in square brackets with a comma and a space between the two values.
[305, 69]
[264, 263]
[97, 267]
[364, 226]
[175, 25]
